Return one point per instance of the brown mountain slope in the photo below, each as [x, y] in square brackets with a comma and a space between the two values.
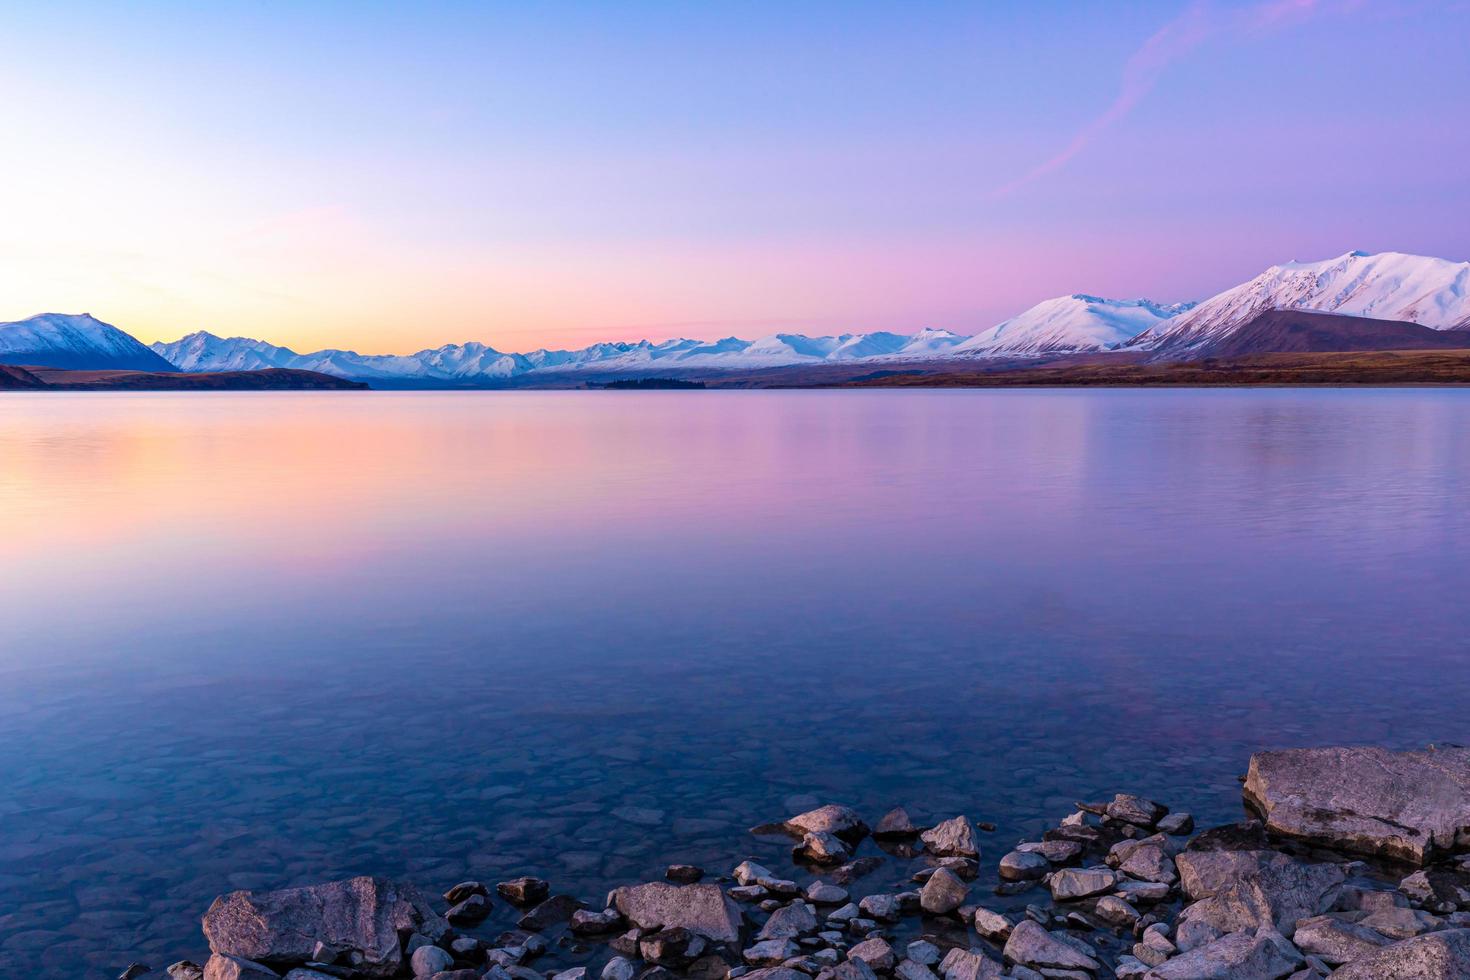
[1304, 331]
[18, 379]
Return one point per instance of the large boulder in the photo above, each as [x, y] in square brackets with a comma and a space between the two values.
[1335, 939]
[1403, 805]
[703, 909]
[365, 916]
[954, 837]
[1434, 956]
[1262, 955]
[1275, 895]
[1031, 945]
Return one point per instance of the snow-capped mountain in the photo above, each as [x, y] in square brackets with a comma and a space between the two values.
[1386, 286]
[1069, 324]
[75, 341]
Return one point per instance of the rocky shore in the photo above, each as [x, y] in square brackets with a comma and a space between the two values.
[1355, 864]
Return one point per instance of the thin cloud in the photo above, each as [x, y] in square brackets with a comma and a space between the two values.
[1170, 43]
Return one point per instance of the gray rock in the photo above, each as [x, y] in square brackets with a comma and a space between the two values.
[683, 874]
[847, 913]
[585, 922]
[853, 870]
[955, 837]
[992, 925]
[185, 970]
[943, 892]
[1177, 824]
[853, 970]
[619, 968]
[468, 912]
[575, 973]
[1130, 968]
[771, 973]
[825, 894]
[822, 848]
[302, 973]
[1025, 865]
[524, 891]
[1071, 884]
[922, 952]
[1115, 911]
[427, 960]
[1436, 956]
[1335, 941]
[909, 970]
[134, 971]
[750, 873]
[554, 911]
[968, 964]
[884, 908]
[702, 908]
[464, 890]
[1397, 923]
[748, 893]
[223, 967]
[1277, 894]
[896, 823]
[833, 818]
[770, 952]
[1033, 946]
[1264, 955]
[1403, 805]
[675, 947]
[1150, 859]
[876, 953]
[1145, 892]
[1193, 933]
[361, 917]
[789, 921]
[1136, 810]
[1205, 873]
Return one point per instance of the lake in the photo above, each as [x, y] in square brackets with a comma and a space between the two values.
[261, 639]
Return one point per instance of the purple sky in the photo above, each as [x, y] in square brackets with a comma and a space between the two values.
[389, 177]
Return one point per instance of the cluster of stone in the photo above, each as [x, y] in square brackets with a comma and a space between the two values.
[1124, 888]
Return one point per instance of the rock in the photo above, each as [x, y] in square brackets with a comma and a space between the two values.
[524, 891]
[619, 968]
[464, 890]
[952, 837]
[185, 970]
[1176, 824]
[895, 823]
[788, 922]
[841, 821]
[133, 971]
[853, 970]
[1033, 946]
[427, 960]
[748, 893]
[1397, 923]
[1277, 894]
[992, 925]
[774, 973]
[1205, 873]
[922, 952]
[361, 917]
[302, 973]
[555, 910]
[1193, 933]
[585, 922]
[1025, 865]
[575, 973]
[1264, 955]
[1058, 851]
[876, 953]
[825, 894]
[1130, 968]
[853, 870]
[468, 912]
[1149, 859]
[223, 967]
[845, 914]
[822, 848]
[943, 892]
[1145, 892]
[683, 874]
[1436, 956]
[968, 964]
[1403, 805]
[1136, 810]
[1071, 884]
[1115, 911]
[674, 947]
[1336, 941]
[750, 873]
[703, 909]
[884, 908]
[770, 952]
[909, 970]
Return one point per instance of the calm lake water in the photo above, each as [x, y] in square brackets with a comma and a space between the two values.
[257, 640]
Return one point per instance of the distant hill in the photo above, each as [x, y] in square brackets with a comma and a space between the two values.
[76, 342]
[273, 379]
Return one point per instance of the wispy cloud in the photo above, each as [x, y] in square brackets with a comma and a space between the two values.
[1198, 22]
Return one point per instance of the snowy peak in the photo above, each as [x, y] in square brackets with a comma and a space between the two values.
[1385, 286]
[78, 341]
[1078, 322]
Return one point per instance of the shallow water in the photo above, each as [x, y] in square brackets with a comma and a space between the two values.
[269, 638]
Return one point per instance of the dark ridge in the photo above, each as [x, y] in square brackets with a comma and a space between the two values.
[1304, 331]
[645, 384]
[18, 379]
[270, 379]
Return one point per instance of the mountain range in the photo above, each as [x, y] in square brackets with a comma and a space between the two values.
[1394, 297]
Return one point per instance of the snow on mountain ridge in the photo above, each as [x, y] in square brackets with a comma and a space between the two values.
[75, 341]
[1078, 322]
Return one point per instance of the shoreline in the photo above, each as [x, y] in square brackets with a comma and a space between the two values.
[1352, 862]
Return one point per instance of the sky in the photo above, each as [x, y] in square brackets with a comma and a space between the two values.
[388, 177]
